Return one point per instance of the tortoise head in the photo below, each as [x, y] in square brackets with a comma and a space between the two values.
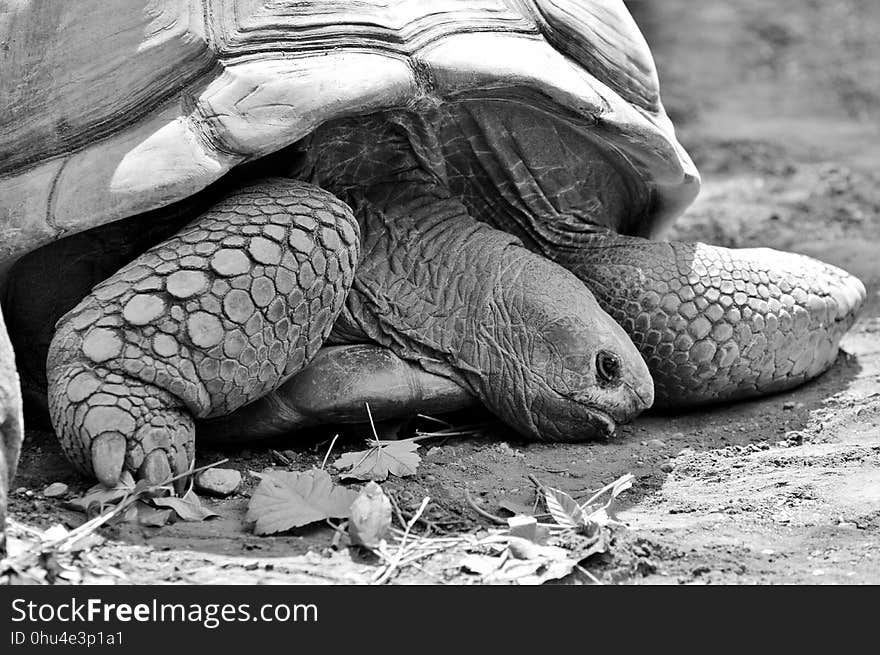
[583, 375]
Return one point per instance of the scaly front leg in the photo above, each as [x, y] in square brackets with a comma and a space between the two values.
[200, 325]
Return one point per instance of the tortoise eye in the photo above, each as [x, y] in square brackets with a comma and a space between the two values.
[607, 367]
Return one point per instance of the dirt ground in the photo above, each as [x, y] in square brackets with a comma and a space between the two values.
[778, 104]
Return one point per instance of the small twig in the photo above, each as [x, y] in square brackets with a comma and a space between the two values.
[454, 431]
[435, 420]
[430, 526]
[412, 521]
[338, 533]
[486, 515]
[329, 450]
[589, 575]
[281, 457]
[397, 510]
[395, 560]
[535, 481]
[192, 471]
[372, 425]
[444, 434]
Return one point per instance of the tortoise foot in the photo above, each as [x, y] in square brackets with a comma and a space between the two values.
[202, 324]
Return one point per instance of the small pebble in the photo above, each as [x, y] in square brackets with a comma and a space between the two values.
[657, 443]
[55, 490]
[666, 467]
[788, 404]
[218, 482]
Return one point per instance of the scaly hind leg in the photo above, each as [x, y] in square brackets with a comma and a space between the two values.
[202, 324]
[11, 425]
[716, 323]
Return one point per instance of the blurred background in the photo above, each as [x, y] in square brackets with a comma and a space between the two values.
[777, 102]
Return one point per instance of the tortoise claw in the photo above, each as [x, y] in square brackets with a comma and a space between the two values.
[108, 457]
[155, 468]
[180, 463]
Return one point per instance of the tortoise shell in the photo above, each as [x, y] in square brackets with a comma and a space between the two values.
[107, 113]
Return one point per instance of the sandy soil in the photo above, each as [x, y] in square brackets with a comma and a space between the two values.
[778, 103]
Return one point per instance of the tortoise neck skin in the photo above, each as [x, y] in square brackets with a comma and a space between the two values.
[467, 301]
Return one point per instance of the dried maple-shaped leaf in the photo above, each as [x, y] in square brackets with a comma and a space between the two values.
[397, 457]
[188, 508]
[287, 500]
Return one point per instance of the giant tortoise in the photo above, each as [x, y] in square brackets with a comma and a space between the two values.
[273, 211]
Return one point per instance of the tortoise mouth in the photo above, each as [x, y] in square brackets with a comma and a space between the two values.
[602, 422]
[590, 423]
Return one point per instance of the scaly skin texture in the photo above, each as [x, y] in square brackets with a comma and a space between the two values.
[718, 324]
[466, 300]
[469, 302]
[236, 303]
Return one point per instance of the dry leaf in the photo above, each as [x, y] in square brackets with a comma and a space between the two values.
[286, 500]
[188, 508]
[623, 483]
[483, 565]
[522, 562]
[563, 508]
[369, 517]
[104, 496]
[397, 457]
